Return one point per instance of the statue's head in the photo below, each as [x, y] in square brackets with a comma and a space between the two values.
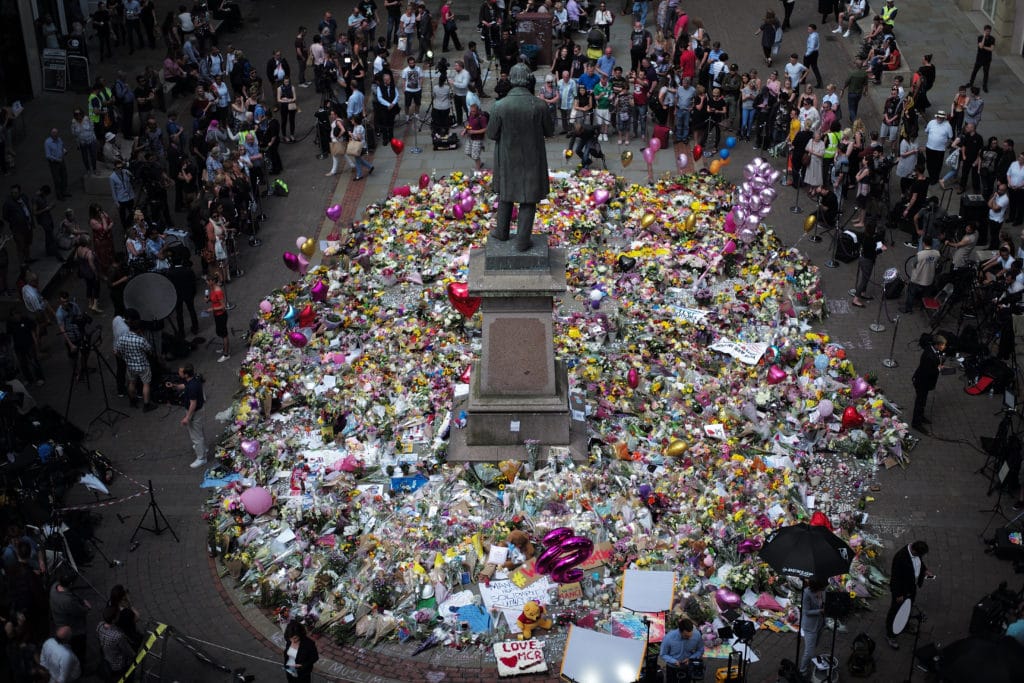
[519, 75]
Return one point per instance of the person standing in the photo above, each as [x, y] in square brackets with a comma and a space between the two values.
[1015, 185]
[855, 86]
[55, 153]
[58, 659]
[412, 85]
[386, 106]
[300, 653]
[924, 379]
[938, 134]
[870, 248]
[639, 45]
[921, 278]
[194, 399]
[42, 210]
[133, 23]
[70, 611]
[811, 52]
[680, 646]
[997, 207]
[287, 103]
[787, 10]
[603, 20]
[969, 145]
[490, 26]
[460, 88]
[357, 140]
[101, 23]
[219, 310]
[135, 350]
[84, 132]
[18, 216]
[123, 193]
[812, 622]
[116, 651]
[908, 568]
[451, 28]
[125, 98]
[22, 331]
[472, 62]
[983, 59]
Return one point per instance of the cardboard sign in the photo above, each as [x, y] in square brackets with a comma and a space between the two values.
[519, 657]
[510, 599]
[745, 352]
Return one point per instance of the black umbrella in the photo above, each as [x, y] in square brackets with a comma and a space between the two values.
[807, 552]
[980, 659]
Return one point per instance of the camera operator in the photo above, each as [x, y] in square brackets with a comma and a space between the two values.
[1007, 304]
[928, 222]
[73, 325]
[828, 205]
[323, 128]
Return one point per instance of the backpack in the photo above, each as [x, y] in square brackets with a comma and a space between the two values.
[279, 188]
[861, 663]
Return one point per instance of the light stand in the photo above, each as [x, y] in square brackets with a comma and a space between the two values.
[890, 276]
[158, 516]
[815, 237]
[108, 415]
[920, 617]
[798, 181]
[832, 262]
[889, 361]
[416, 149]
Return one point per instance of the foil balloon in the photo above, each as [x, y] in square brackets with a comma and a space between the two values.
[691, 221]
[291, 260]
[563, 552]
[681, 161]
[266, 306]
[458, 294]
[729, 247]
[727, 599]
[819, 518]
[859, 387]
[458, 212]
[776, 374]
[318, 292]
[626, 263]
[716, 165]
[633, 378]
[303, 263]
[291, 316]
[299, 241]
[724, 154]
[397, 145]
[257, 500]
[825, 408]
[852, 419]
[809, 222]
[568, 154]
[648, 155]
[601, 197]
[698, 152]
[466, 374]
[308, 248]
[307, 316]
[675, 449]
[402, 191]
[334, 212]
[467, 204]
[250, 447]
[297, 339]
[729, 225]
[596, 295]
[749, 545]
[730, 142]
[647, 220]
[654, 143]
[424, 181]
[626, 158]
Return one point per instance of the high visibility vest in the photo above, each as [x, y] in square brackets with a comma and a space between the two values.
[889, 15]
[833, 145]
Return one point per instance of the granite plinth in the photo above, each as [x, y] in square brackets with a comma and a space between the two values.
[503, 256]
[502, 419]
[516, 283]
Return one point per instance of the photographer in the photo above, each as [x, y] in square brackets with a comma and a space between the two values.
[193, 399]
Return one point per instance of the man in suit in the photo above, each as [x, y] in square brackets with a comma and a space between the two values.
[925, 378]
[472, 62]
[907, 575]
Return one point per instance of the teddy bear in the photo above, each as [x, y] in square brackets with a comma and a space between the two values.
[523, 547]
[531, 618]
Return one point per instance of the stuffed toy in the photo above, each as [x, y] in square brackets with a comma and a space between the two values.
[531, 618]
[521, 542]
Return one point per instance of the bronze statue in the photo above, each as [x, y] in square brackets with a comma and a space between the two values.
[518, 125]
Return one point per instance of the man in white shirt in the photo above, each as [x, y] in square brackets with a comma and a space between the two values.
[997, 205]
[460, 88]
[795, 71]
[412, 83]
[58, 659]
[938, 134]
[1015, 184]
[854, 11]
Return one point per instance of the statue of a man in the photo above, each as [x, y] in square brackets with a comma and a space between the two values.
[518, 125]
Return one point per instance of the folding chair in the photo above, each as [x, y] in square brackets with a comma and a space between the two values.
[936, 306]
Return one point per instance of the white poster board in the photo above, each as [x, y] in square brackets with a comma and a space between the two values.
[520, 657]
[593, 657]
[510, 598]
[648, 591]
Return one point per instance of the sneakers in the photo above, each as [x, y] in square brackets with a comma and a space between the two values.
[197, 463]
[223, 358]
[912, 245]
[846, 34]
[837, 29]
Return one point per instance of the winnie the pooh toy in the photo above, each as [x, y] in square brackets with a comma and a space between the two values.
[531, 618]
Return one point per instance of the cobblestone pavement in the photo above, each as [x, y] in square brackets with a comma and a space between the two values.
[938, 498]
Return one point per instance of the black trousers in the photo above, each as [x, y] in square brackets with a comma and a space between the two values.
[811, 62]
[983, 67]
[920, 402]
[179, 312]
[890, 616]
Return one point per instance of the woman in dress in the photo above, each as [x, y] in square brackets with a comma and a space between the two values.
[216, 254]
[813, 175]
[699, 117]
[287, 103]
[88, 272]
[102, 228]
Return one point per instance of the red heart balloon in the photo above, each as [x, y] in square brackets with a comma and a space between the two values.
[776, 374]
[307, 316]
[466, 375]
[397, 145]
[698, 152]
[458, 294]
[851, 418]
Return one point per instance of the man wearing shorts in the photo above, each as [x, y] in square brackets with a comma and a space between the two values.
[412, 79]
[602, 104]
[476, 127]
[891, 112]
[219, 310]
[134, 349]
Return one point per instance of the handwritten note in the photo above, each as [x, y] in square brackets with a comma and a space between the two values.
[510, 598]
[518, 657]
[745, 352]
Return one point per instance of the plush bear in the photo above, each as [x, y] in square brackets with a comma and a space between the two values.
[520, 541]
[531, 618]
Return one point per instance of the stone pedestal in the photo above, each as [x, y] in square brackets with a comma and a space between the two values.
[519, 390]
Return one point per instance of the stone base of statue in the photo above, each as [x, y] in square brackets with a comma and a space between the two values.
[518, 391]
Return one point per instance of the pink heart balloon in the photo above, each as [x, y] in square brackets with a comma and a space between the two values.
[729, 247]
[299, 241]
[334, 212]
[467, 204]
[402, 191]
[297, 339]
[727, 599]
[458, 212]
[303, 263]
[257, 500]
[601, 196]
[859, 387]
[250, 447]
[776, 374]
[291, 260]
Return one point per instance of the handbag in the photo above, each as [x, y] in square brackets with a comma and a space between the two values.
[309, 59]
[953, 159]
[354, 148]
[337, 148]
[806, 160]
[403, 43]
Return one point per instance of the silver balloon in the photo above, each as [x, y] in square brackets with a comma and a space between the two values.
[767, 195]
[765, 210]
[753, 221]
[747, 236]
[739, 214]
[773, 176]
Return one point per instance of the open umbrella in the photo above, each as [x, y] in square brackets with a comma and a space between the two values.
[807, 552]
[980, 659]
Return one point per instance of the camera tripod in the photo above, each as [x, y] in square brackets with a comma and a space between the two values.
[87, 347]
